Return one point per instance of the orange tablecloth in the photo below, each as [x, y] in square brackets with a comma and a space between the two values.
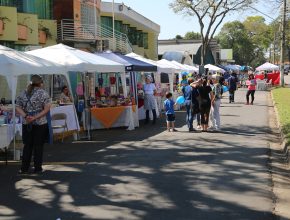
[107, 116]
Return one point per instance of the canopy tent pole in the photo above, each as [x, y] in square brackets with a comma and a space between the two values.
[124, 84]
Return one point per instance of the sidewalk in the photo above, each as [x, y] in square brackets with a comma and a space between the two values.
[150, 173]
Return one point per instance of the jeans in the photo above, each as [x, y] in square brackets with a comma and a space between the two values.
[231, 95]
[189, 116]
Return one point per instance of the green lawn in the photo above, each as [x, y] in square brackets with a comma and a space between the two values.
[282, 100]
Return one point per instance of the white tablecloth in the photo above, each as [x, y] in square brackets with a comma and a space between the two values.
[7, 134]
[71, 120]
[261, 85]
[128, 118]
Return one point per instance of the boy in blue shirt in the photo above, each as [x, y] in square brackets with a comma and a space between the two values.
[169, 111]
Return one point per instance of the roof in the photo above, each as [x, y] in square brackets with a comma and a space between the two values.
[183, 48]
[130, 63]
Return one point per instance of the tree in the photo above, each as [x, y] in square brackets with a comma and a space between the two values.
[178, 37]
[258, 30]
[210, 15]
[234, 35]
[192, 36]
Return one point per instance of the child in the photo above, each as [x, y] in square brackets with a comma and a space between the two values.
[169, 111]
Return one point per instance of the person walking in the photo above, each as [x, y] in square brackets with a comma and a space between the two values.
[251, 83]
[149, 99]
[169, 111]
[232, 84]
[206, 95]
[33, 105]
[215, 103]
[187, 93]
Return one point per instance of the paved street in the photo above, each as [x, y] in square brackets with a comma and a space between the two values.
[152, 174]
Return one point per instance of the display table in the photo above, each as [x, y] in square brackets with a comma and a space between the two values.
[261, 85]
[111, 117]
[7, 134]
[71, 120]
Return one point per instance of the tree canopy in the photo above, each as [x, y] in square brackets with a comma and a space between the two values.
[210, 14]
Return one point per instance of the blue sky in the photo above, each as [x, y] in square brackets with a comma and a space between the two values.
[173, 24]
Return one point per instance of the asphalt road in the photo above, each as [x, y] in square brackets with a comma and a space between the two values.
[152, 174]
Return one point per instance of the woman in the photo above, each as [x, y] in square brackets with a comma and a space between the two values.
[65, 96]
[215, 103]
[149, 99]
[206, 95]
[33, 105]
[251, 83]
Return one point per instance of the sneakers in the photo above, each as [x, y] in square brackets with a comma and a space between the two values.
[174, 130]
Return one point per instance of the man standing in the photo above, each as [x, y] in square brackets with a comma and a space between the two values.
[232, 84]
[187, 93]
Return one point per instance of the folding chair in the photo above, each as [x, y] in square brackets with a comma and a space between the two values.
[59, 117]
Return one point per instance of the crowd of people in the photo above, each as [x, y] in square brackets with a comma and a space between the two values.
[202, 97]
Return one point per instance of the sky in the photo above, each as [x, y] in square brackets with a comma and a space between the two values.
[172, 24]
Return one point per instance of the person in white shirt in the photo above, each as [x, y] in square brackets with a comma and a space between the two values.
[149, 99]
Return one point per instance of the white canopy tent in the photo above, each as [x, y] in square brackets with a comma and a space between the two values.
[81, 61]
[192, 68]
[182, 66]
[267, 66]
[15, 63]
[213, 68]
[161, 68]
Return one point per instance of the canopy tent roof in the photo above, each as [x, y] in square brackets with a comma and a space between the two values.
[160, 67]
[192, 68]
[214, 68]
[267, 66]
[130, 63]
[171, 65]
[185, 67]
[233, 67]
[77, 60]
[15, 63]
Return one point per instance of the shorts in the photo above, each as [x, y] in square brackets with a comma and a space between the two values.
[170, 117]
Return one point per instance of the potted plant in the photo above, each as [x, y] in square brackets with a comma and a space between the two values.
[22, 30]
[43, 34]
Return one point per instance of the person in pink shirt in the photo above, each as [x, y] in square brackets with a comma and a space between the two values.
[251, 83]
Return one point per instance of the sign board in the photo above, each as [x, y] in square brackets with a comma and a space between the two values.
[226, 54]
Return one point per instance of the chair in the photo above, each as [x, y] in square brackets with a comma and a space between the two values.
[268, 84]
[59, 117]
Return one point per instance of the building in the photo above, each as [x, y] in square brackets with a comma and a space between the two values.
[142, 33]
[188, 51]
[84, 24]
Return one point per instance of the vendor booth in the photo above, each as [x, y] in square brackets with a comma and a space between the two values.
[13, 64]
[86, 71]
[135, 71]
[163, 79]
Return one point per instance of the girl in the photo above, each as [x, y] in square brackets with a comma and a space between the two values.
[251, 83]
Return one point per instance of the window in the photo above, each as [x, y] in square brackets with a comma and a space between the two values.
[145, 40]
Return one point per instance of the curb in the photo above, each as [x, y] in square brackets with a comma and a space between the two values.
[283, 143]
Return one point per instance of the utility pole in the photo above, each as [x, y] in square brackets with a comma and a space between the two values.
[282, 52]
